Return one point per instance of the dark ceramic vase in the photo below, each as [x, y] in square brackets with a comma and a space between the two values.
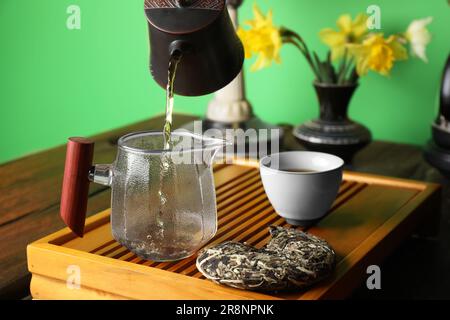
[437, 152]
[333, 132]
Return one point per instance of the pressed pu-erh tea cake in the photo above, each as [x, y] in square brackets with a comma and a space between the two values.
[292, 260]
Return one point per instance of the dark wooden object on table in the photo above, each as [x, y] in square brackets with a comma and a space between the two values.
[75, 187]
[30, 190]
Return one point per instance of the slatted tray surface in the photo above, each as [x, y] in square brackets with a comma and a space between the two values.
[369, 217]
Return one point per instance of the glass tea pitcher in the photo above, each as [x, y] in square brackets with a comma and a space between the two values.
[163, 203]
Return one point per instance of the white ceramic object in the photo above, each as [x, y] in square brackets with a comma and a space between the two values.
[229, 104]
[301, 197]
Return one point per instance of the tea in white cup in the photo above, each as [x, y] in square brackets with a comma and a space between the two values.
[301, 185]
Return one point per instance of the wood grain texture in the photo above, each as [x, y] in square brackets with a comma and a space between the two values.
[30, 190]
[367, 214]
[75, 186]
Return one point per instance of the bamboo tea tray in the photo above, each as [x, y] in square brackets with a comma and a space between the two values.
[368, 220]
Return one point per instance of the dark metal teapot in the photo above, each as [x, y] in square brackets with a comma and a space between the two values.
[203, 33]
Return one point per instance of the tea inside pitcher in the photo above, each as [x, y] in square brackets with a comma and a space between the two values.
[179, 201]
[169, 207]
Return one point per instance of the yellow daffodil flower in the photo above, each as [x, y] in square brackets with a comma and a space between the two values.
[262, 39]
[349, 32]
[352, 42]
[419, 37]
[377, 54]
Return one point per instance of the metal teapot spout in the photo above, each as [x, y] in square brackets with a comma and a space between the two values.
[202, 30]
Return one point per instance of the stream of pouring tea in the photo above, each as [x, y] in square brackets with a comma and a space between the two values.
[176, 231]
[173, 64]
[165, 232]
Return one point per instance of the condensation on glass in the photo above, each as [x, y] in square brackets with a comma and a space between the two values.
[163, 201]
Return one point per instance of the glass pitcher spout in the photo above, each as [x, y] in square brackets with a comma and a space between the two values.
[211, 146]
[214, 143]
[188, 147]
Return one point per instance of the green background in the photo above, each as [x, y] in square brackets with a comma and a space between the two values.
[57, 83]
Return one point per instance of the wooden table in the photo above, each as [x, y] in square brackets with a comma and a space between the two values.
[29, 204]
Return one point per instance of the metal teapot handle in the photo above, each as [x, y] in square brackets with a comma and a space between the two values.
[75, 188]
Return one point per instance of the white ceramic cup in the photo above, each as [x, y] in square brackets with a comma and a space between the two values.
[301, 198]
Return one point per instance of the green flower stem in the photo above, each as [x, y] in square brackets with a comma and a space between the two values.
[325, 75]
[295, 36]
[346, 69]
[353, 76]
[288, 37]
[317, 69]
[324, 71]
[343, 69]
[347, 73]
[301, 44]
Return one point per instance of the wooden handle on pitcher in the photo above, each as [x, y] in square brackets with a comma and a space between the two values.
[75, 188]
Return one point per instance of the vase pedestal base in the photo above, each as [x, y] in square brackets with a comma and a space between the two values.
[341, 138]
